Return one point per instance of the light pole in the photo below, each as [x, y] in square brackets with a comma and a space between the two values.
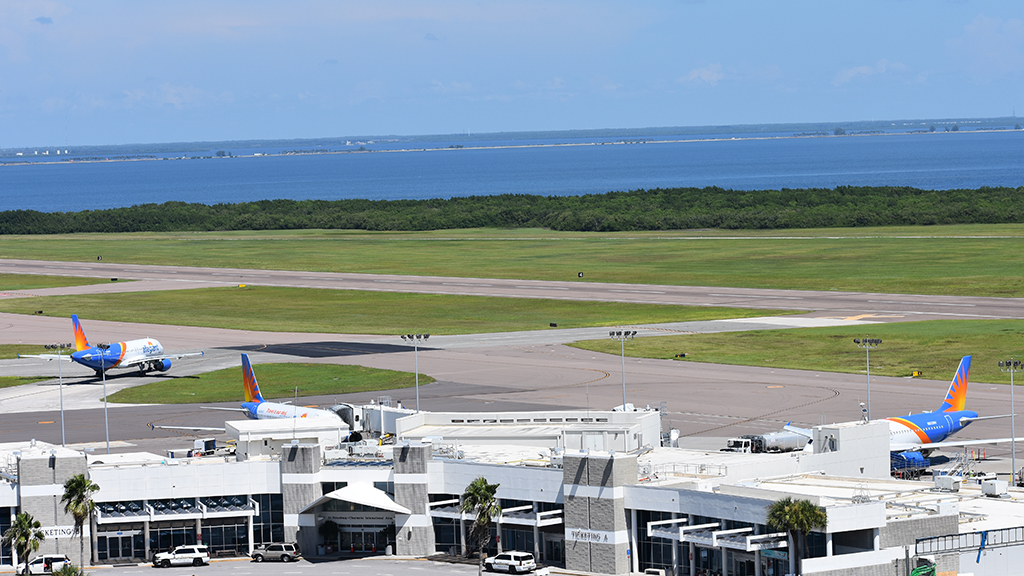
[1012, 366]
[60, 347]
[867, 344]
[415, 339]
[622, 336]
[103, 372]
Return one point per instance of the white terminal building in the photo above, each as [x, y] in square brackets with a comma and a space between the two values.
[599, 492]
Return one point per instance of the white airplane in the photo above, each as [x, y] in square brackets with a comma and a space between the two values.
[144, 355]
[256, 408]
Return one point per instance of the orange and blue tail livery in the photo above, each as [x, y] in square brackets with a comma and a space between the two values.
[956, 398]
[252, 388]
[81, 342]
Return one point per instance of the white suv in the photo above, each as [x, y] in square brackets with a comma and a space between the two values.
[511, 562]
[193, 554]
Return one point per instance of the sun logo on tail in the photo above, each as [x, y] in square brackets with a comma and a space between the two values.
[956, 397]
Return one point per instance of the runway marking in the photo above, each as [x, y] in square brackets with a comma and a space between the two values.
[749, 296]
[46, 422]
[924, 303]
[542, 287]
[397, 281]
[640, 291]
[463, 284]
[776, 386]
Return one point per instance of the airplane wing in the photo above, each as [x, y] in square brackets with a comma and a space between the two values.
[48, 357]
[797, 430]
[190, 428]
[148, 359]
[906, 447]
[223, 408]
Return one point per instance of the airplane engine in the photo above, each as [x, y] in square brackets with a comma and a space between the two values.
[163, 365]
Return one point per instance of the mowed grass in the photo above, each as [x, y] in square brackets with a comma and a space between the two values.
[277, 381]
[8, 351]
[933, 347]
[8, 381]
[977, 260]
[350, 311]
[10, 282]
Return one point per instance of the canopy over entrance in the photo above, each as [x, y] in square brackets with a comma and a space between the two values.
[364, 494]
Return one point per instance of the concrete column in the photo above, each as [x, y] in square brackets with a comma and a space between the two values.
[250, 533]
[792, 555]
[462, 532]
[693, 548]
[199, 532]
[597, 538]
[536, 535]
[296, 459]
[757, 554]
[828, 544]
[675, 548]
[497, 526]
[145, 539]
[633, 556]
[414, 533]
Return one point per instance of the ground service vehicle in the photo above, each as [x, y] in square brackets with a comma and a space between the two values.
[282, 552]
[511, 562]
[190, 554]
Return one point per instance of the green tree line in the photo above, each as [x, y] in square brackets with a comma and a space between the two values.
[660, 209]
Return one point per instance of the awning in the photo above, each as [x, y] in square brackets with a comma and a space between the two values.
[364, 494]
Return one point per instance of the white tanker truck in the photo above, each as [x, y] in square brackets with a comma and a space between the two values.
[782, 441]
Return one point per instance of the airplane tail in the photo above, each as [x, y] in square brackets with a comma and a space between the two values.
[252, 388]
[956, 398]
[81, 342]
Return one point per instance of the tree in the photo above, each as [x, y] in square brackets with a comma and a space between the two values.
[25, 536]
[77, 501]
[479, 499]
[796, 517]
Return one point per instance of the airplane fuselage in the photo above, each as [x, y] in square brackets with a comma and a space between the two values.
[127, 353]
[927, 427]
[274, 410]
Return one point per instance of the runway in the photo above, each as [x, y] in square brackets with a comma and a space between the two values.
[896, 306]
[494, 372]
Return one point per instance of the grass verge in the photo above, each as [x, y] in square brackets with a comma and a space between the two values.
[352, 311]
[954, 260]
[8, 351]
[8, 381]
[933, 347]
[276, 381]
[10, 282]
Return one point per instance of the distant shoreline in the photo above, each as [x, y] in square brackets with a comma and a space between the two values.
[453, 148]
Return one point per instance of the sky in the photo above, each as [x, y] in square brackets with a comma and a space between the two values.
[121, 72]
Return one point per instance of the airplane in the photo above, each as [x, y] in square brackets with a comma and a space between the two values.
[928, 431]
[145, 354]
[256, 408]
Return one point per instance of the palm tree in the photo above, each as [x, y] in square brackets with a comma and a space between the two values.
[77, 501]
[25, 535]
[796, 517]
[479, 499]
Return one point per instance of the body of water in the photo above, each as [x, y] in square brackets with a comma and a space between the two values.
[929, 161]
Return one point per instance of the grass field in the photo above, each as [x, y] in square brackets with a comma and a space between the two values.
[956, 260]
[276, 381]
[8, 351]
[8, 381]
[358, 312]
[933, 348]
[9, 282]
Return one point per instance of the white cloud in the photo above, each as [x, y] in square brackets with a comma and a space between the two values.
[990, 47]
[711, 74]
[881, 67]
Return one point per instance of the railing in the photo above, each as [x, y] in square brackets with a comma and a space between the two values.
[972, 540]
[649, 472]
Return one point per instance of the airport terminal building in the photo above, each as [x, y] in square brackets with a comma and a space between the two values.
[600, 492]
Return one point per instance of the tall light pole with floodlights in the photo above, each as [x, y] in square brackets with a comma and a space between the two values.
[867, 344]
[1012, 366]
[416, 339]
[60, 347]
[622, 336]
[103, 372]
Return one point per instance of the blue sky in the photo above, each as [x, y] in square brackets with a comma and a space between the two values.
[107, 72]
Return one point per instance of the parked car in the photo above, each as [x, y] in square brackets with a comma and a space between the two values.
[511, 562]
[44, 564]
[283, 552]
[193, 554]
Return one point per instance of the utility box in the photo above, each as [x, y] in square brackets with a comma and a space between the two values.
[994, 488]
[948, 483]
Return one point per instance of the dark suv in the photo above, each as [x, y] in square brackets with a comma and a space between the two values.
[282, 552]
